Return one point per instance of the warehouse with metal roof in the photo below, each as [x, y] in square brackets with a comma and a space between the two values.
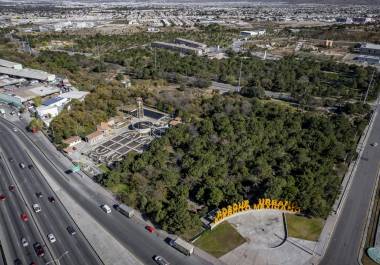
[9, 64]
[28, 73]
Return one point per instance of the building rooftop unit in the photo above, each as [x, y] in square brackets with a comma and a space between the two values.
[28, 73]
[9, 64]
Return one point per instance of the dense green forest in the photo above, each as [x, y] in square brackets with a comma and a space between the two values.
[303, 77]
[239, 148]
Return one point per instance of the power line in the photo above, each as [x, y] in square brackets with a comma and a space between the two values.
[369, 86]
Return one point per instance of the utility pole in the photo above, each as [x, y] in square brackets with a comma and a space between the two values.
[241, 65]
[369, 86]
[155, 59]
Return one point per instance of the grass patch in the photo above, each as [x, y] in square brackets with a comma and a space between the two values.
[118, 188]
[304, 227]
[221, 240]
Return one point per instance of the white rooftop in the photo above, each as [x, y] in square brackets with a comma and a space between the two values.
[75, 95]
[9, 64]
[371, 46]
[28, 73]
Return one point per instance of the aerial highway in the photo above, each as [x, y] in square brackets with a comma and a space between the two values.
[130, 234]
[24, 186]
[345, 242]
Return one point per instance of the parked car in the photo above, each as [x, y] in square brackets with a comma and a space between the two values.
[51, 199]
[11, 187]
[2, 197]
[39, 194]
[22, 165]
[30, 166]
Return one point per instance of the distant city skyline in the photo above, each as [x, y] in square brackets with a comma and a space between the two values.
[196, 2]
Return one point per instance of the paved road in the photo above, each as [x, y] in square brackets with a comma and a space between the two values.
[130, 234]
[52, 219]
[345, 243]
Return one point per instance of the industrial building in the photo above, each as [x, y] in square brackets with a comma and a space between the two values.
[191, 43]
[27, 73]
[176, 47]
[46, 113]
[370, 49]
[26, 93]
[9, 64]
[252, 33]
[78, 95]
[372, 60]
[56, 102]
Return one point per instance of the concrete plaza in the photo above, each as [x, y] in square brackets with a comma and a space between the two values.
[265, 233]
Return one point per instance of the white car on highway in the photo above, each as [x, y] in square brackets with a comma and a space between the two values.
[51, 238]
[106, 208]
[36, 208]
[24, 242]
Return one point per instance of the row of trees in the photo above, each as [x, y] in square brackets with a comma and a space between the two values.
[240, 148]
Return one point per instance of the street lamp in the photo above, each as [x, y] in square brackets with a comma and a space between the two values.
[57, 259]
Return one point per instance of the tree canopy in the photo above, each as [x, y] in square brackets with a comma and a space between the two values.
[240, 148]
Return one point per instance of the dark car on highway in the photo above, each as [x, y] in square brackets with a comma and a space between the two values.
[71, 230]
[39, 249]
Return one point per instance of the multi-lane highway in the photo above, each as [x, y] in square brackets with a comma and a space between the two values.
[130, 234]
[346, 239]
[52, 219]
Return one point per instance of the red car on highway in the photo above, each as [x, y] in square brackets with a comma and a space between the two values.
[150, 228]
[24, 217]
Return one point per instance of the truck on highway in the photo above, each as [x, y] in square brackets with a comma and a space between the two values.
[182, 246]
[125, 210]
